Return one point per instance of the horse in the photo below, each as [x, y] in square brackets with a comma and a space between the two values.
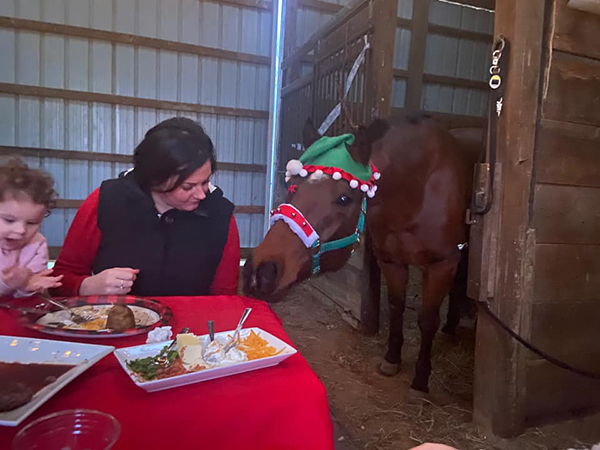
[417, 217]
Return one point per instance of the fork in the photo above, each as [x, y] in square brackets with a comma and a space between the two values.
[163, 360]
[236, 334]
[75, 317]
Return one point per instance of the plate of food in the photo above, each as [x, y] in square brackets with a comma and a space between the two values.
[106, 316]
[194, 359]
[33, 370]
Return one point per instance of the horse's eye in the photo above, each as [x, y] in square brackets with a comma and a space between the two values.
[343, 200]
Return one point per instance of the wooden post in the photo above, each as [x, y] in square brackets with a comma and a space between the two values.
[291, 15]
[384, 34]
[416, 62]
[380, 74]
[500, 362]
[370, 290]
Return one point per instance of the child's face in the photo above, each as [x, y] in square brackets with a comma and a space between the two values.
[20, 220]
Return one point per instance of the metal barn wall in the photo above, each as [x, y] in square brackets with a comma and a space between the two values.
[457, 44]
[89, 77]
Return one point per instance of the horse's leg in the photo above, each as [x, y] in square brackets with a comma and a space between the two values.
[396, 277]
[437, 279]
[457, 295]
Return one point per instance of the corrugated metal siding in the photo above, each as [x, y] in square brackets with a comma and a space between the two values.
[405, 9]
[459, 58]
[92, 65]
[308, 21]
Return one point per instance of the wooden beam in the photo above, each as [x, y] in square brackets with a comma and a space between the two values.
[253, 4]
[401, 22]
[320, 6]
[499, 393]
[66, 94]
[401, 73]
[451, 81]
[458, 33]
[382, 56]
[239, 209]
[129, 39]
[416, 62]
[6, 150]
[298, 84]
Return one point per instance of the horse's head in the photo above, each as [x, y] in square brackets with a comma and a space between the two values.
[320, 202]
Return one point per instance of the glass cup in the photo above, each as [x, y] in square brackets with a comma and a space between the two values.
[75, 429]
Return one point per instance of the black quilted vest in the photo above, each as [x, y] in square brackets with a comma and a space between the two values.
[177, 254]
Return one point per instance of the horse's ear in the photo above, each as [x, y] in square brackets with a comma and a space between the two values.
[309, 134]
[364, 138]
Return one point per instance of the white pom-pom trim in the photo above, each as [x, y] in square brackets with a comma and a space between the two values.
[337, 176]
[364, 188]
[287, 178]
[371, 193]
[353, 184]
[318, 174]
[376, 175]
[303, 173]
[294, 166]
[374, 188]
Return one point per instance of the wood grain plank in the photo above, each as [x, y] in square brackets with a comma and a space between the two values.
[568, 154]
[566, 214]
[239, 209]
[575, 31]
[552, 390]
[566, 273]
[572, 93]
[129, 39]
[67, 94]
[416, 62]
[318, 5]
[34, 152]
[459, 33]
[567, 331]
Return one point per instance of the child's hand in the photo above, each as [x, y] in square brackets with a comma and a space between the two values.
[16, 277]
[42, 280]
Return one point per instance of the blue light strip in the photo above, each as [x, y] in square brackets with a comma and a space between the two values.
[274, 117]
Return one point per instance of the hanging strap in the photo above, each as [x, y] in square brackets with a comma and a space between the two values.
[335, 113]
[498, 72]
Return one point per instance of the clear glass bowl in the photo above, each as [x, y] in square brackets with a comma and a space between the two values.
[75, 429]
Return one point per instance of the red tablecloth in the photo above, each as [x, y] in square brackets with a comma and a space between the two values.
[282, 407]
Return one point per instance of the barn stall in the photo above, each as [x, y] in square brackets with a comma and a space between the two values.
[533, 254]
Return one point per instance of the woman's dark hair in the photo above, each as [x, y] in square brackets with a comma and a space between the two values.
[18, 181]
[175, 147]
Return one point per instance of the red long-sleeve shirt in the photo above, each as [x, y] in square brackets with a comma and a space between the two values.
[76, 259]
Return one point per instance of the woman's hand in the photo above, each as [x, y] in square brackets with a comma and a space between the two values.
[16, 277]
[116, 281]
[42, 280]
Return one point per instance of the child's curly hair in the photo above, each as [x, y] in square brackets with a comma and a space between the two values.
[17, 180]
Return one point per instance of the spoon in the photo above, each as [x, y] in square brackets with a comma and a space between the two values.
[236, 334]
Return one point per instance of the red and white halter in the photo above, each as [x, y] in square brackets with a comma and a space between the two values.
[297, 223]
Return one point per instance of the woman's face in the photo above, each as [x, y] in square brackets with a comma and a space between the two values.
[188, 195]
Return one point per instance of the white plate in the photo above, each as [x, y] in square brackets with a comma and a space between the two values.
[28, 350]
[143, 351]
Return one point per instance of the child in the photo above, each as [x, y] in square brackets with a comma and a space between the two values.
[26, 196]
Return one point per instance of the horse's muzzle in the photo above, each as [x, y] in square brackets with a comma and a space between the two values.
[261, 281]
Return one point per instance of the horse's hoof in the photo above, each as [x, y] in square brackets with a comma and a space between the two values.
[389, 369]
[416, 396]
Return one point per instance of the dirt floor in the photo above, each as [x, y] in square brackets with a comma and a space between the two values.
[374, 412]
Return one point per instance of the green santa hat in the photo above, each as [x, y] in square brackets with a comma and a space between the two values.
[330, 156]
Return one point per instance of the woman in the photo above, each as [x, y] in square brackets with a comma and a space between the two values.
[159, 230]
